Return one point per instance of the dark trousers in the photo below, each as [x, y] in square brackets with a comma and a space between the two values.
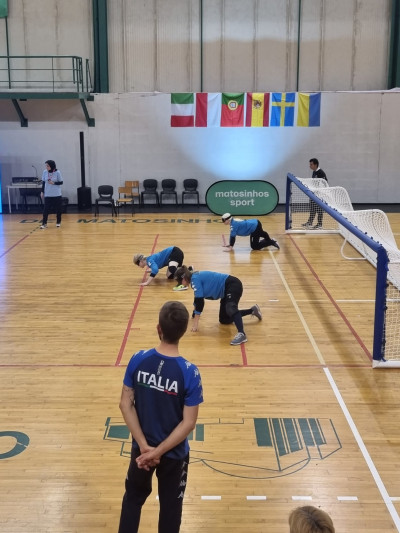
[260, 238]
[314, 209]
[172, 479]
[52, 203]
[229, 305]
[177, 257]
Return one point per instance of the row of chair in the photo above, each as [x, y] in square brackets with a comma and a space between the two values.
[168, 190]
[130, 192]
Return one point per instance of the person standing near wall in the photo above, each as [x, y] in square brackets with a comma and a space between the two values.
[318, 173]
[51, 191]
[160, 401]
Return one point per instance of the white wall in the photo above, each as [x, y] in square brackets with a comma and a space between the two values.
[357, 145]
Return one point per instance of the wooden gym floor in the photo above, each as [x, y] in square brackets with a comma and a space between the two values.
[296, 416]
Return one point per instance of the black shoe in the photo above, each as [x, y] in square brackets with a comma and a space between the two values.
[275, 244]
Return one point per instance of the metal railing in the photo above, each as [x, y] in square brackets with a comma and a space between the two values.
[45, 74]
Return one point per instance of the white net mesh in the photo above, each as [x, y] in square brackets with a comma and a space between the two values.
[306, 216]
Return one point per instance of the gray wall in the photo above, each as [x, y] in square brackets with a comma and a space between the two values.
[356, 144]
[246, 45]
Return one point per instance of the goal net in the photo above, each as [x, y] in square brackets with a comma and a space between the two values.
[314, 207]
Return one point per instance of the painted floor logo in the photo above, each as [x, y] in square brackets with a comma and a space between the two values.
[283, 445]
[15, 442]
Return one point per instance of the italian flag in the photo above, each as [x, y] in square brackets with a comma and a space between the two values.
[232, 110]
[182, 110]
[257, 109]
[208, 110]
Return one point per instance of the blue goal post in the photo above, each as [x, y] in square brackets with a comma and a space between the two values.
[301, 194]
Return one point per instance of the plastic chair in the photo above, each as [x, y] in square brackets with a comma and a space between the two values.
[150, 189]
[106, 193]
[134, 186]
[124, 197]
[168, 189]
[190, 189]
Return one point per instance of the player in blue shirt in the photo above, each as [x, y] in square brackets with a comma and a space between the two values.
[215, 286]
[258, 237]
[160, 401]
[172, 257]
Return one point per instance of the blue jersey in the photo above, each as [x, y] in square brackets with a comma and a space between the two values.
[163, 386]
[243, 227]
[158, 260]
[208, 285]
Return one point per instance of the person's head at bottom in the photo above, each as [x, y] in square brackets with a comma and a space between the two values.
[172, 322]
[309, 519]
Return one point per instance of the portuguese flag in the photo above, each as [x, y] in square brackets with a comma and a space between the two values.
[232, 111]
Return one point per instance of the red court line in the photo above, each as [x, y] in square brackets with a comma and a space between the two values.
[342, 315]
[13, 246]
[135, 306]
[230, 365]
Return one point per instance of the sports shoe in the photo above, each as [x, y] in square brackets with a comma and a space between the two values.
[58, 225]
[239, 338]
[191, 268]
[317, 226]
[307, 225]
[43, 226]
[180, 288]
[275, 244]
[256, 311]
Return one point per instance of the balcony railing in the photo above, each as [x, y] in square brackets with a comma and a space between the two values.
[45, 74]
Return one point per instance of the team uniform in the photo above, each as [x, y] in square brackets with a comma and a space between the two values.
[171, 257]
[258, 237]
[162, 387]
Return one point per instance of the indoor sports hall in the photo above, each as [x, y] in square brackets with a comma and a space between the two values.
[127, 127]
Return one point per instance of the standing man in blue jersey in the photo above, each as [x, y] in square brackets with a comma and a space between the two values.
[215, 286]
[317, 173]
[160, 401]
[171, 257]
[258, 237]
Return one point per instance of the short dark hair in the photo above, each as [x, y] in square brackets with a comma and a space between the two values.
[314, 161]
[183, 273]
[173, 320]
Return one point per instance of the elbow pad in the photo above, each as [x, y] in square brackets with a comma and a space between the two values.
[198, 305]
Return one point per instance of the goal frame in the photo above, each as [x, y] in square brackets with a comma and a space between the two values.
[382, 261]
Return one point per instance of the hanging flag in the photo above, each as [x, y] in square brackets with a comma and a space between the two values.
[182, 110]
[232, 112]
[309, 110]
[257, 109]
[3, 8]
[208, 110]
[282, 109]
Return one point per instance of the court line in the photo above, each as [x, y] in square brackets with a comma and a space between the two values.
[378, 481]
[377, 478]
[13, 246]
[133, 313]
[342, 315]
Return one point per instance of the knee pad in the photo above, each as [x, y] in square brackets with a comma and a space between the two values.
[231, 309]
